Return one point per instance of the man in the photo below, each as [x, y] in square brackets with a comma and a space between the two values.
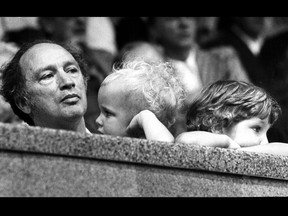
[80, 32]
[196, 68]
[45, 84]
[7, 115]
[245, 36]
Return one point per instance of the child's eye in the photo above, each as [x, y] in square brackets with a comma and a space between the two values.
[257, 129]
[107, 113]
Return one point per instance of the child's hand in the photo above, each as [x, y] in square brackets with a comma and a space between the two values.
[135, 128]
[146, 125]
[275, 148]
[232, 144]
[207, 139]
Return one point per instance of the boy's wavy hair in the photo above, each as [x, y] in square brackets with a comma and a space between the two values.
[152, 86]
[14, 82]
[223, 103]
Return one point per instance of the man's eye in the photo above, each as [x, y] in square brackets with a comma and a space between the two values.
[72, 69]
[46, 76]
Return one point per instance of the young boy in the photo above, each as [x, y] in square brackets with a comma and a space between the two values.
[140, 99]
[241, 111]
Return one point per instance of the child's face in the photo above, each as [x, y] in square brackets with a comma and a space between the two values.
[249, 132]
[114, 117]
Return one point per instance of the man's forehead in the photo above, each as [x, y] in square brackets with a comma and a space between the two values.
[43, 49]
[44, 52]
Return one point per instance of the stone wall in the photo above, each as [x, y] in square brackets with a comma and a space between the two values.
[49, 163]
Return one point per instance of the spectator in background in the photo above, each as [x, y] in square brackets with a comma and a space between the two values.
[274, 57]
[130, 29]
[45, 84]
[7, 51]
[139, 49]
[17, 24]
[206, 29]
[245, 36]
[176, 37]
[101, 41]
[23, 35]
[64, 29]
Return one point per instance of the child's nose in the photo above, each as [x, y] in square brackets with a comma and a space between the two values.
[264, 140]
[99, 121]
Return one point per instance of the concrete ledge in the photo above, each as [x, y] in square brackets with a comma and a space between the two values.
[34, 175]
[42, 140]
[45, 162]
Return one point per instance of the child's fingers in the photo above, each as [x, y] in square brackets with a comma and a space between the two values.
[233, 145]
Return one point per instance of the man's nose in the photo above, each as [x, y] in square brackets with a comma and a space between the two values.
[65, 80]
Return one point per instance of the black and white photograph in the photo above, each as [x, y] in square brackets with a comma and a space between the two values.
[144, 106]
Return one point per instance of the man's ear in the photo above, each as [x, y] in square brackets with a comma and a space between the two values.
[23, 105]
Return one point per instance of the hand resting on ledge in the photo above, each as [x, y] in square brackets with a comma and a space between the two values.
[204, 138]
[275, 148]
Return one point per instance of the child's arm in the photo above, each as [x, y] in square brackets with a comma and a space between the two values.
[204, 138]
[152, 127]
[275, 148]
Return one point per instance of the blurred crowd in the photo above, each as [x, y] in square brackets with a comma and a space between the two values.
[203, 49]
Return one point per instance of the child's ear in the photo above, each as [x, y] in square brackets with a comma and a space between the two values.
[23, 105]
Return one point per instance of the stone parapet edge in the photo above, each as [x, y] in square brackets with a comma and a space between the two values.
[124, 149]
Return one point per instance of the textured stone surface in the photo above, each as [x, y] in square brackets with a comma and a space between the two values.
[24, 138]
[34, 175]
[45, 162]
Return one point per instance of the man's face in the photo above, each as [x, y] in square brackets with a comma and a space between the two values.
[68, 28]
[176, 31]
[249, 132]
[54, 83]
[115, 115]
[252, 26]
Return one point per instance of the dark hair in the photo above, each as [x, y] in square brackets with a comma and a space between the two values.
[224, 103]
[14, 83]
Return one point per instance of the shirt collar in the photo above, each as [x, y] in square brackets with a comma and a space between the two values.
[254, 45]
